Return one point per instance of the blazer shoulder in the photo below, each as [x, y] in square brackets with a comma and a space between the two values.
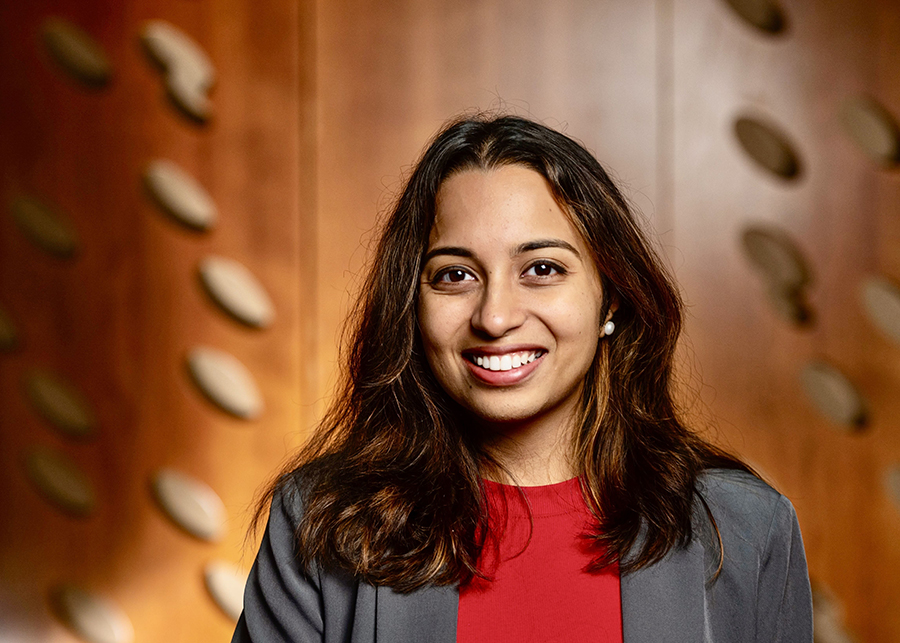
[292, 490]
[287, 498]
[762, 583]
[733, 488]
[744, 507]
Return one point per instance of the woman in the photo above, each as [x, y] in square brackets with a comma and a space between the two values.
[505, 461]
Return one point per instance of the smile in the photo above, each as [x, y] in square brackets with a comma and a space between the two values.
[505, 362]
[504, 369]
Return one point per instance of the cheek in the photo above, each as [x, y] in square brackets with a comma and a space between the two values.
[591, 320]
[429, 327]
[436, 351]
[584, 341]
[575, 321]
[440, 323]
[437, 335]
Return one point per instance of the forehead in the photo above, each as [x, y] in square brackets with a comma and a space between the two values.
[510, 204]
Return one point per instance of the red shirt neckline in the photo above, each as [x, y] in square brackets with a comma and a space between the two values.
[537, 586]
[542, 500]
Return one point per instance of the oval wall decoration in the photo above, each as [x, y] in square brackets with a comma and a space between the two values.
[873, 129]
[225, 381]
[236, 290]
[783, 268]
[772, 252]
[91, 617]
[58, 402]
[768, 146]
[764, 15]
[225, 583]
[190, 504]
[76, 53]
[180, 195]
[46, 228]
[59, 480]
[881, 302]
[171, 48]
[833, 394]
[189, 73]
[790, 305]
[188, 95]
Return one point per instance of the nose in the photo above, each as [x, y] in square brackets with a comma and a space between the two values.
[499, 311]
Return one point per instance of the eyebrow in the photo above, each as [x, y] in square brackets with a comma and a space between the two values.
[546, 243]
[453, 251]
[538, 244]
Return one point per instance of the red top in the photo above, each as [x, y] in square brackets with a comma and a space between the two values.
[540, 590]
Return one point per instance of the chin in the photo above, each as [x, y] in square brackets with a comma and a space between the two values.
[509, 417]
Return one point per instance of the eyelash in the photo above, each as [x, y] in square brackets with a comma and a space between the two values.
[549, 264]
[439, 276]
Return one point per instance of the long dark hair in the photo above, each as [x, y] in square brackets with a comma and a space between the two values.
[391, 482]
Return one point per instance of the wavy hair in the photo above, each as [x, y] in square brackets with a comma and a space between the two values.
[391, 479]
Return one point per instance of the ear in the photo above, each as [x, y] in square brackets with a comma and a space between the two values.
[613, 307]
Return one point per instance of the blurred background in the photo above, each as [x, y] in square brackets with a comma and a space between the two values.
[189, 189]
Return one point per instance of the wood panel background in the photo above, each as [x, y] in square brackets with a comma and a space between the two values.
[842, 211]
[320, 109]
[118, 319]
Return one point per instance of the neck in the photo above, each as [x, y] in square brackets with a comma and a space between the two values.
[530, 454]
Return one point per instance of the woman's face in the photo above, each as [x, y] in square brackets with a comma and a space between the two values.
[510, 299]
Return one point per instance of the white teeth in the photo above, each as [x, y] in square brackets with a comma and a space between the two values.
[505, 362]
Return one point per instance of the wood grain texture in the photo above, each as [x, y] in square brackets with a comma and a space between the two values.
[842, 211]
[119, 318]
[319, 110]
[390, 74]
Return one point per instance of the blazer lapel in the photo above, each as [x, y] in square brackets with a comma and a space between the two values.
[424, 616]
[663, 602]
[667, 601]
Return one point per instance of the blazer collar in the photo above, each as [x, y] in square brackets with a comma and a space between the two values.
[663, 602]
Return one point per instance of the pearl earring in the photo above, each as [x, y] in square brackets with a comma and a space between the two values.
[609, 327]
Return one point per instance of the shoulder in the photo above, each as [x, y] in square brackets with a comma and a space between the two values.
[286, 601]
[287, 498]
[741, 500]
[750, 516]
[762, 567]
[292, 492]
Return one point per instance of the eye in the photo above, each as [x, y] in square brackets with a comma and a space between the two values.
[544, 269]
[452, 276]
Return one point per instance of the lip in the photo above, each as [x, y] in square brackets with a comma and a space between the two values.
[503, 378]
[503, 350]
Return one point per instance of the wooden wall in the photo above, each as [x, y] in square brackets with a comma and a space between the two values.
[842, 212]
[577, 71]
[118, 319]
[319, 109]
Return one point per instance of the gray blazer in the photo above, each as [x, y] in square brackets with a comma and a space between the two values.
[762, 593]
